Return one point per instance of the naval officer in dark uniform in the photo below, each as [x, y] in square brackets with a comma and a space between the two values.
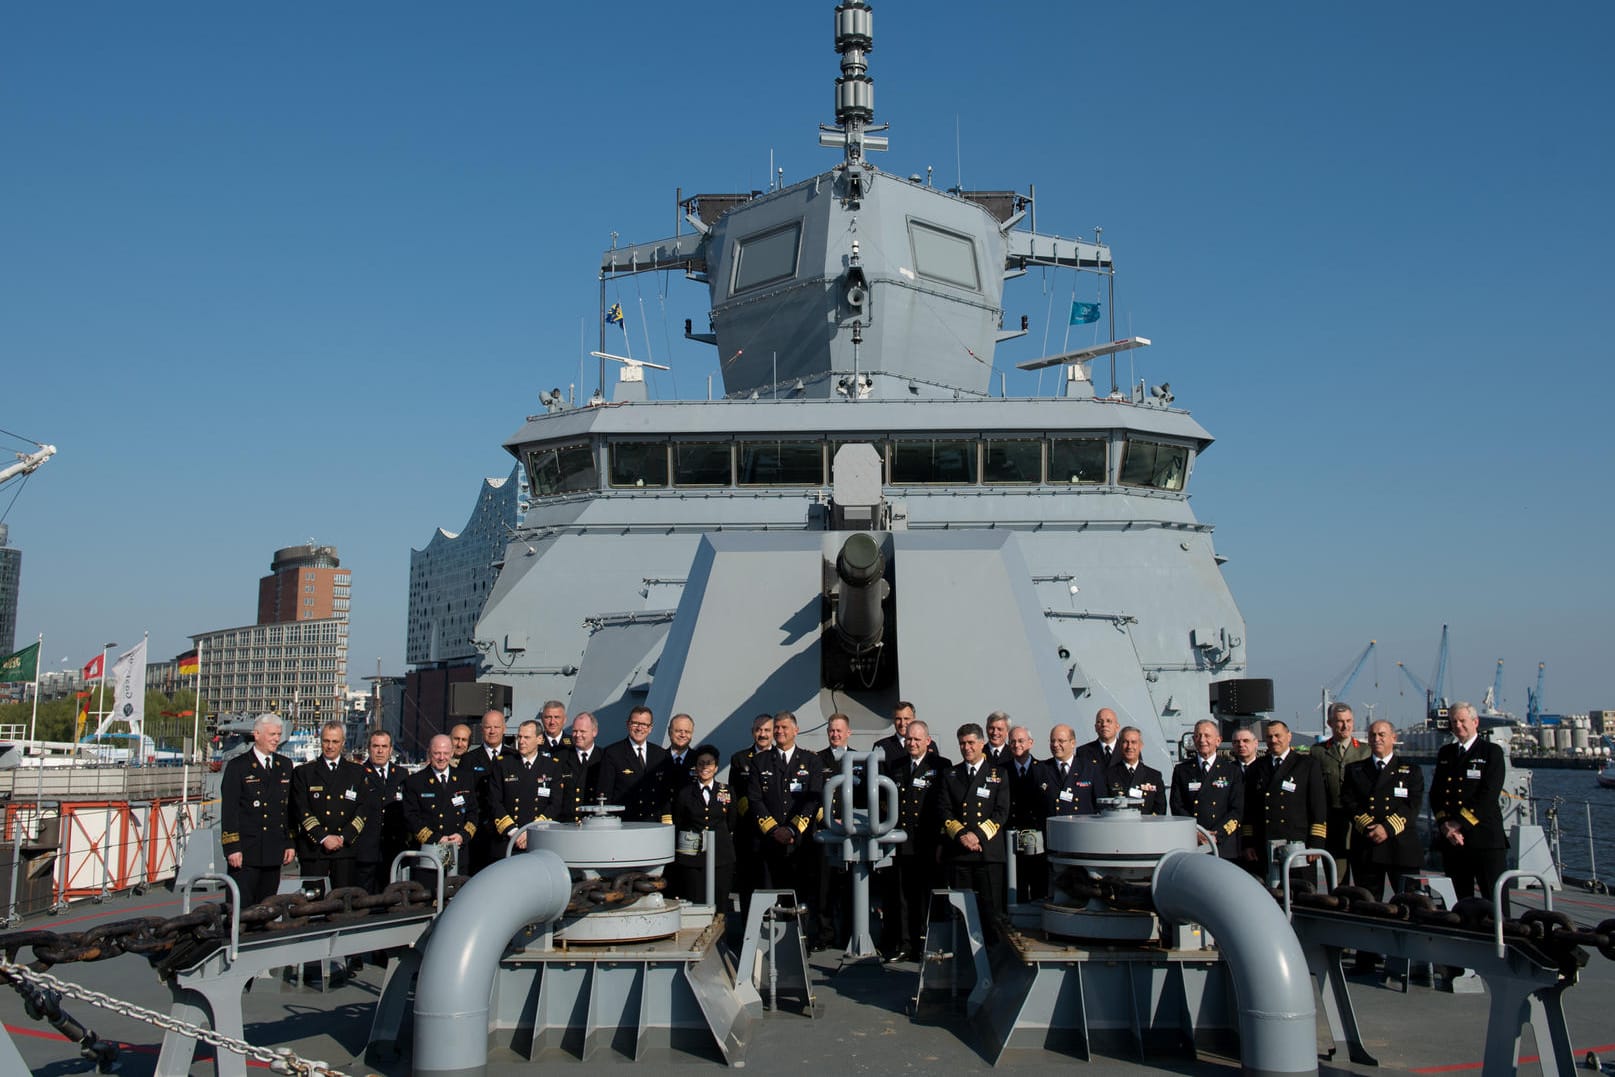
[631, 772]
[906, 886]
[254, 813]
[785, 795]
[440, 804]
[526, 786]
[975, 809]
[1465, 800]
[1290, 802]
[1131, 777]
[700, 806]
[477, 765]
[553, 741]
[748, 839]
[582, 761]
[1382, 796]
[330, 798]
[1211, 789]
[387, 835]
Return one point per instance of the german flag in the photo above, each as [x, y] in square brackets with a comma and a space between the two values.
[189, 664]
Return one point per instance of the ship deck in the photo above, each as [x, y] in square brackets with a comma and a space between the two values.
[861, 1019]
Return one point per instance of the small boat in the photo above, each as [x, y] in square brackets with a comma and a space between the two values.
[1606, 776]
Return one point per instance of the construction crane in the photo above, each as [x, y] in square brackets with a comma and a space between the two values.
[1533, 697]
[1435, 693]
[1494, 694]
[1346, 680]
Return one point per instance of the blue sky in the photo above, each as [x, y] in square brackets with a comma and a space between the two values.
[289, 271]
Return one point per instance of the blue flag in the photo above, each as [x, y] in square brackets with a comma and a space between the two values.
[614, 315]
[1084, 313]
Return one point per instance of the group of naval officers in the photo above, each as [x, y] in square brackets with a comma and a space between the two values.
[963, 821]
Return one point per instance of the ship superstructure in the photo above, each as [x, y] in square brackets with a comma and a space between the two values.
[1037, 555]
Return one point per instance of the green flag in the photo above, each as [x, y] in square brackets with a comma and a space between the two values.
[20, 665]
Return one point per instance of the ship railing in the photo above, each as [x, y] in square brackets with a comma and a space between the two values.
[1576, 824]
[56, 850]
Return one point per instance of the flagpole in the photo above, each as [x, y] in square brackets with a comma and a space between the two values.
[33, 731]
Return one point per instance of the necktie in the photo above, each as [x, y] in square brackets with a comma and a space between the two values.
[972, 772]
[639, 750]
[1064, 771]
[332, 765]
[1205, 766]
[1106, 750]
[706, 795]
[1379, 764]
[528, 763]
[443, 777]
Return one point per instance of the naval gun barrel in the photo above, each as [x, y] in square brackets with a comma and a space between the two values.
[861, 568]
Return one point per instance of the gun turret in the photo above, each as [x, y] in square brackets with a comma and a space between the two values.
[861, 568]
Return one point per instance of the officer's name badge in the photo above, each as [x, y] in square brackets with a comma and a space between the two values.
[1287, 785]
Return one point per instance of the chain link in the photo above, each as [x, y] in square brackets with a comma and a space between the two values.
[282, 1060]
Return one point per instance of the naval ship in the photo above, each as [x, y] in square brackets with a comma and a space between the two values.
[1036, 555]
[858, 519]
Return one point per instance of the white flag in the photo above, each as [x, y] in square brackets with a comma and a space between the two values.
[128, 691]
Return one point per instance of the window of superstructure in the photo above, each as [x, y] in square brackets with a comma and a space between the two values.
[639, 463]
[1154, 464]
[702, 463]
[1076, 461]
[563, 469]
[944, 256]
[933, 461]
[781, 463]
[767, 257]
[1011, 460]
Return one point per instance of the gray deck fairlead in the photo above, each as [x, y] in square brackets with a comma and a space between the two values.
[456, 978]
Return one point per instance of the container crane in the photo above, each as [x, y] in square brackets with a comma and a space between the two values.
[1494, 694]
[27, 463]
[1435, 693]
[1332, 693]
[1533, 697]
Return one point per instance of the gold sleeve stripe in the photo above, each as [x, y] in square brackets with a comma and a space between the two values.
[952, 828]
[423, 835]
[310, 823]
[766, 823]
[1247, 830]
[1470, 817]
[503, 823]
[665, 818]
[1230, 826]
[471, 828]
[802, 822]
[1363, 821]
[230, 839]
[989, 828]
[1398, 824]
[1319, 830]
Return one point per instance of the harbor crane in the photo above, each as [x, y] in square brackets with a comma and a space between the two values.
[1435, 693]
[1533, 697]
[1341, 686]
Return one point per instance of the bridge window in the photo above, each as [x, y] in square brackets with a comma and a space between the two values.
[766, 258]
[562, 469]
[781, 463]
[944, 256]
[639, 463]
[1076, 461]
[1012, 460]
[702, 463]
[931, 462]
[1154, 464]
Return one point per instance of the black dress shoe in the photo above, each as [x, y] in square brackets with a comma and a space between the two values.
[900, 957]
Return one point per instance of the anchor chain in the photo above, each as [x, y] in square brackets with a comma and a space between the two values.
[279, 1060]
